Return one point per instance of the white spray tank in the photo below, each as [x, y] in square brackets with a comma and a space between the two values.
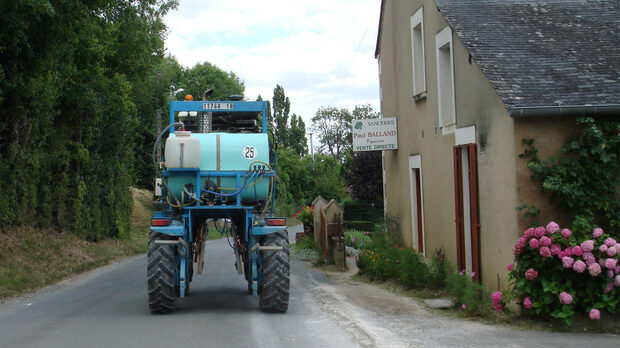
[182, 151]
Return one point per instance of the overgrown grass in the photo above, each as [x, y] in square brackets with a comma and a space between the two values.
[382, 257]
[32, 258]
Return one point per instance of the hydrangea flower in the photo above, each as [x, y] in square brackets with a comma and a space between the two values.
[545, 252]
[577, 251]
[539, 232]
[531, 274]
[496, 297]
[552, 227]
[522, 242]
[562, 254]
[579, 266]
[610, 242]
[589, 258]
[534, 244]
[568, 262]
[566, 298]
[555, 249]
[603, 248]
[497, 307]
[594, 269]
[597, 232]
[527, 302]
[545, 241]
[516, 250]
[595, 314]
[613, 250]
[609, 273]
[587, 246]
[566, 233]
[611, 263]
[608, 288]
[509, 266]
[529, 233]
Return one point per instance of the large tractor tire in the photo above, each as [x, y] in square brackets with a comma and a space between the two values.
[160, 274]
[276, 274]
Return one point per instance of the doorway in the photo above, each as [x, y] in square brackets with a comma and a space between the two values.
[466, 208]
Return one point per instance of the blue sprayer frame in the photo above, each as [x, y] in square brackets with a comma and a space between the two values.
[183, 227]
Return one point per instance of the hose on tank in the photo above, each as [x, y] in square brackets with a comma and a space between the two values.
[157, 167]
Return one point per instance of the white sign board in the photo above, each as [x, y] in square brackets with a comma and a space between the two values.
[375, 134]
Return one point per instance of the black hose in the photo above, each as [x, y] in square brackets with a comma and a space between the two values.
[156, 166]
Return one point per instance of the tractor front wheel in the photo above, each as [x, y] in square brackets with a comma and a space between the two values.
[276, 274]
[160, 274]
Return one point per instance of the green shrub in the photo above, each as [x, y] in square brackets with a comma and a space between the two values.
[468, 295]
[414, 272]
[356, 239]
[438, 270]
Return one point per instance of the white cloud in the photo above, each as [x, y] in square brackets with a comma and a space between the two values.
[306, 46]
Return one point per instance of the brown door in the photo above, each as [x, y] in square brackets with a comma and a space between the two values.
[418, 199]
[466, 208]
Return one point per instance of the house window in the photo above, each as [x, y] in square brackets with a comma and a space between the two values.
[417, 55]
[417, 203]
[445, 80]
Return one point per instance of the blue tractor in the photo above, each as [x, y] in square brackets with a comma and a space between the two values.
[216, 176]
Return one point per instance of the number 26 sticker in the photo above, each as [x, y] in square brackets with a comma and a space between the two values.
[249, 152]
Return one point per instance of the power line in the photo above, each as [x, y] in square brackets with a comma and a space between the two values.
[352, 61]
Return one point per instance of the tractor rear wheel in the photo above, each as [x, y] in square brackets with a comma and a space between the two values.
[276, 274]
[160, 274]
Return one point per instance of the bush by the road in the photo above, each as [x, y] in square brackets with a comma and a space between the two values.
[558, 272]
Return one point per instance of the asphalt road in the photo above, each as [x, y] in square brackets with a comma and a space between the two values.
[109, 308]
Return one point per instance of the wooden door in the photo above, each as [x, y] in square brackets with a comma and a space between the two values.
[466, 208]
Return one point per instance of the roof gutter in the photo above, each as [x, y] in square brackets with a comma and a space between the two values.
[569, 110]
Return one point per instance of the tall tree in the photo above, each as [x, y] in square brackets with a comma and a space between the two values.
[281, 106]
[297, 136]
[201, 77]
[68, 72]
[333, 127]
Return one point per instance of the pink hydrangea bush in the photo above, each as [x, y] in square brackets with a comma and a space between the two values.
[559, 274]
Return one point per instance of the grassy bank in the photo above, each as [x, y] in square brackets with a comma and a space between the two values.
[33, 258]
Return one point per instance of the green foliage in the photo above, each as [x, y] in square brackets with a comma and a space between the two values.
[68, 73]
[439, 269]
[530, 212]
[356, 239]
[366, 176]
[305, 214]
[290, 135]
[281, 106]
[298, 184]
[306, 243]
[468, 295]
[333, 127]
[584, 177]
[198, 79]
[405, 265]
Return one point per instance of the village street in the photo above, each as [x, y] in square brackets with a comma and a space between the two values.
[108, 308]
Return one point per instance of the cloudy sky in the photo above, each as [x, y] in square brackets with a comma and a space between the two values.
[321, 52]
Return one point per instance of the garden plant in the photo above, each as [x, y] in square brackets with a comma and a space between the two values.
[558, 273]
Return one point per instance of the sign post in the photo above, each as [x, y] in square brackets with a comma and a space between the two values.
[375, 134]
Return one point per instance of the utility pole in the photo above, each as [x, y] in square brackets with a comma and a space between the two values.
[312, 151]
[157, 134]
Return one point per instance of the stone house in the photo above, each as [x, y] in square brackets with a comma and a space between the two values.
[468, 80]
